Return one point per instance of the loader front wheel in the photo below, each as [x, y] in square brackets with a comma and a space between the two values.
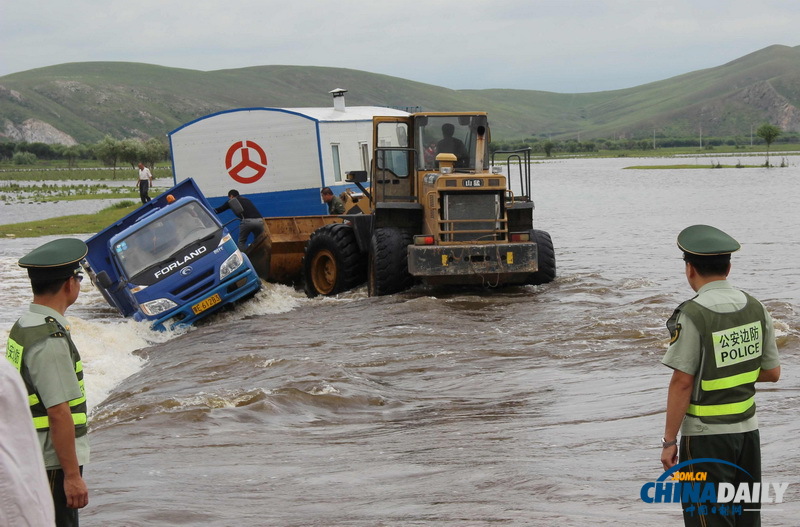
[322, 275]
[388, 262]
[332, 261]
[546, 256]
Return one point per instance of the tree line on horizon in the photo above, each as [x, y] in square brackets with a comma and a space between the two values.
[109, 151]
[766, 134]
[112, 152]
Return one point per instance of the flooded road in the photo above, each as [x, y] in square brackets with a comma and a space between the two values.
[523, 406]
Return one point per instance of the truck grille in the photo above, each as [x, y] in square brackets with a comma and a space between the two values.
[197, 282]
[472, 217]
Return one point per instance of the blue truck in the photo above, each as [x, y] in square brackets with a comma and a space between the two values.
[170, 262]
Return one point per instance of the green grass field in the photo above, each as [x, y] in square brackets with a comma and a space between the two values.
[76, 224]
[88, 172]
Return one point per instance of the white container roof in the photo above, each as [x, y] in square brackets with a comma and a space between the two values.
[351, 113]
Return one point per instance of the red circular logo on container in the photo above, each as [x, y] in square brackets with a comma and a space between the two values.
[246, 162]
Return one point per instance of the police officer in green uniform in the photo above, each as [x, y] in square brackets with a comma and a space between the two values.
[335, 204]
[722, 343]
[40, 347]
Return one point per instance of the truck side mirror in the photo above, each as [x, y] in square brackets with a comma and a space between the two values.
[104, 280]
[106, 283]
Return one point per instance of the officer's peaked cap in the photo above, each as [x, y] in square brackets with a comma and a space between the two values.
[55, 259]
[705, 240]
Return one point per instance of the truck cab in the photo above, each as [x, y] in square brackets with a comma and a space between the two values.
[171, 262]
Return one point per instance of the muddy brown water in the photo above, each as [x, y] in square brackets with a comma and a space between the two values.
[522, 406]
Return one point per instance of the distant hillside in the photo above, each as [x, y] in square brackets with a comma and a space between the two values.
[82, 102]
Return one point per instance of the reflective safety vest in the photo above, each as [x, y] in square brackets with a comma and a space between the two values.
[732, 345]
[22, 338]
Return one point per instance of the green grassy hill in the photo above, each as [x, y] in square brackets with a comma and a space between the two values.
[89, 100]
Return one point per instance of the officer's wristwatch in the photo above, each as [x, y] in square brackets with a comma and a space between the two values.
[667, 444]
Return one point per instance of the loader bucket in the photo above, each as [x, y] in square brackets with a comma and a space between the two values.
[278, 254]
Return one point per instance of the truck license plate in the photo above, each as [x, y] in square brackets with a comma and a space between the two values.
[211, 301]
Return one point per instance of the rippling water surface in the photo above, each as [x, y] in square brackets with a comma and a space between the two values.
[523, 406]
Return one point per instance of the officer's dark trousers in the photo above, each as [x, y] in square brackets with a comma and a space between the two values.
[743, 450]
[65, 517]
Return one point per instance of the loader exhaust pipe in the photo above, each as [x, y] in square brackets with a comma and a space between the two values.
[480, 148]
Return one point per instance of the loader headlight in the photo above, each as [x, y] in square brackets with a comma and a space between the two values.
[232, 263]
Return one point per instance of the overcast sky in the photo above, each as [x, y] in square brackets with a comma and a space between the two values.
[565, 46]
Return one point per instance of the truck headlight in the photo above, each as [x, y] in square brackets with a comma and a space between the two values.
[158, 306]
[232, 263]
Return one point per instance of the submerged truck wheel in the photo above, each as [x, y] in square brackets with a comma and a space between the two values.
[547, 258]
[332, 261]
[388, 262]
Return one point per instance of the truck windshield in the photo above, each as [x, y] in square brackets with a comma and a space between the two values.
[163, 237]
[452, 134]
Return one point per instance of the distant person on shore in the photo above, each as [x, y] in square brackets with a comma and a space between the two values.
[40, 347]
[335, 204]
[145, 182]
[252, 220]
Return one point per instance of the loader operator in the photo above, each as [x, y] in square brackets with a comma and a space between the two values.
[452, 145]
[252, 220]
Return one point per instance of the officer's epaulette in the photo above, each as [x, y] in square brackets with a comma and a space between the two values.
[56, 330]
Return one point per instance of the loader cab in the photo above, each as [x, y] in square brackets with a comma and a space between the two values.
[394, 160]
[465, 136]
[407, 147]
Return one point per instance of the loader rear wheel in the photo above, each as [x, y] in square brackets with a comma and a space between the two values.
[388, 262]
[546, 256]
[332, 262]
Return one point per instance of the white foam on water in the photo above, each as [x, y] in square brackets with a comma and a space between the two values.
[271, 299]
[325, 389]
[107, 351]
[108, 343]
